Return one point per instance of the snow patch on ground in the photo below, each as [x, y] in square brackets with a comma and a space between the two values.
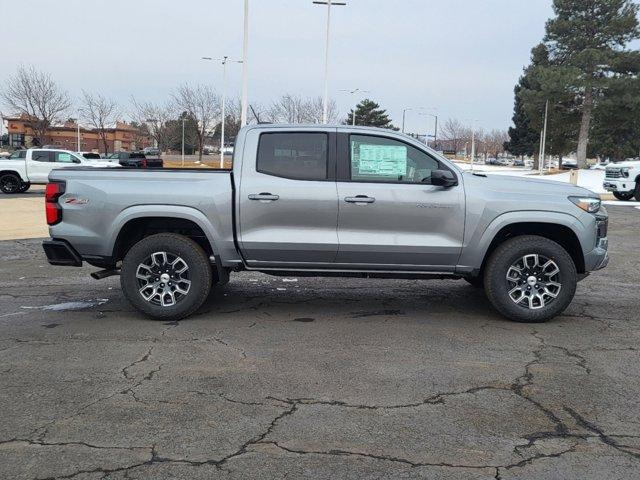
[60, 307]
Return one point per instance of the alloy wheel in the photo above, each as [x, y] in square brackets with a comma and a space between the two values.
[163, 279]
[533, 281]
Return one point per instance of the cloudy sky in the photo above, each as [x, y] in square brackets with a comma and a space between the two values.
[460, 57]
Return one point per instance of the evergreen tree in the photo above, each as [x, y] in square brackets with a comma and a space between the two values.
[587, 42]
[368, 113]
[523, 140]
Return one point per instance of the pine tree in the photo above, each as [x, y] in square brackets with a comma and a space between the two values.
[523, 140]
[368, 113]
[587, 42]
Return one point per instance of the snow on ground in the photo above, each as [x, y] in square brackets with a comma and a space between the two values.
[589, 179]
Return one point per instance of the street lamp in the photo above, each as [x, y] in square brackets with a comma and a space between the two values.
[184, 118]
[245, 67]
[223, 60]
[352, 92]
[435, 130]
[325, 102]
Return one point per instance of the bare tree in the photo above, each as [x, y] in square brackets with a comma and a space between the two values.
[203, 103]
[455, 133]
[36, 96]
[295, 109]
[153, 118]
[101, 112]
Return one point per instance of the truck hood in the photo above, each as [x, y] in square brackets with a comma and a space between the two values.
[628, 163]
[526, 185]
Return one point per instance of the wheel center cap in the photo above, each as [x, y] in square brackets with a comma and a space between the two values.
[532, 280]
[165, 277]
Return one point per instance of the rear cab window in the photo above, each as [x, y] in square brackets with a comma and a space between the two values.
[294, 155]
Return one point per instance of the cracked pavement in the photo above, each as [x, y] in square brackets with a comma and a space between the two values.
[317, 378]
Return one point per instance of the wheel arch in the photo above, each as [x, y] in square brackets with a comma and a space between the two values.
[561, 228]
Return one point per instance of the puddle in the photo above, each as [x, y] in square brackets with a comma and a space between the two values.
[61, 307]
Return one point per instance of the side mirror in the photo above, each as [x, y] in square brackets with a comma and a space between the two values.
[443, 178]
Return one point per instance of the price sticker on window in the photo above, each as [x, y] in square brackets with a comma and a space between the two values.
[384, 160]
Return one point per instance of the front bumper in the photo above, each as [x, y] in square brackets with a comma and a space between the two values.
[60, 252]
[598, 258]
[618, 185]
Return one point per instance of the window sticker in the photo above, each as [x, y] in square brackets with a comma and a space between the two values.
[383, 160]
[64, 157]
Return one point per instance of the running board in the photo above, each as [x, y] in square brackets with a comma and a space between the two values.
[100, 274]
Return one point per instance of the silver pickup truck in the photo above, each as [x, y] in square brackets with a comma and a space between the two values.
[327, 201]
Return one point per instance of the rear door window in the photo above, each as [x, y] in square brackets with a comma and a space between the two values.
[41, 156]
[295, 155]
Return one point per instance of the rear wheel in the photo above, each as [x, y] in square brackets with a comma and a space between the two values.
[623, 196]
[166, 276]
[10, 183]
[530, 279]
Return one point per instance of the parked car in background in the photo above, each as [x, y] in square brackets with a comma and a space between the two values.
[151, 152]
[136, 160]
[328, 201]
[569, 163]
[518, 162]
[90, 155]
[623, 179]
[4, 154]
[27, 167]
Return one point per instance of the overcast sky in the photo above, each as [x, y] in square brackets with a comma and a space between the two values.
[461, 57]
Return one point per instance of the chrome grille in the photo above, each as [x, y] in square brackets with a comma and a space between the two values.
[613, 173]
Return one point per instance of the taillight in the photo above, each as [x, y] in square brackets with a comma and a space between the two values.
[52, 208]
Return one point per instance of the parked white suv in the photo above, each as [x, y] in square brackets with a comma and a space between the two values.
[623, 179]
[26, 167]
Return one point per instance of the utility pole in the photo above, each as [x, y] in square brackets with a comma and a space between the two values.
[183, 120]
[435, 130]
[404, 114]
[473, 144]
[245, 67]
[325, 101]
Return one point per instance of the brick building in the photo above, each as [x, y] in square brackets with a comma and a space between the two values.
[121, 137]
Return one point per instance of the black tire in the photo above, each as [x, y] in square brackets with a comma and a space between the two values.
[498, 288]
[24, 187]
[475, 282]
[636, 191]
[10, 183]
[623, 196]
[175, 246]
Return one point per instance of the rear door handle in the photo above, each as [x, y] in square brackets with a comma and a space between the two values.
[359, 199]
[264, 197]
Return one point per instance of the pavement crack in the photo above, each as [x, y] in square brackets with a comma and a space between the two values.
[144, 358]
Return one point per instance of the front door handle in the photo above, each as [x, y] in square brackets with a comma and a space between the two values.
[359, 199]
[264, 197]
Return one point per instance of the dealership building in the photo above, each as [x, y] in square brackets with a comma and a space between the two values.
[121, 136]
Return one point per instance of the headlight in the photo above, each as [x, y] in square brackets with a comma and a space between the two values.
[588, 204]
[625, 172]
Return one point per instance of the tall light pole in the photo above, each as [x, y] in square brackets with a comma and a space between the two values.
[325, 101]
[183, 120]
[244, 102]
[404, 114]
[78, 127]
[352, 92]
[223, 60]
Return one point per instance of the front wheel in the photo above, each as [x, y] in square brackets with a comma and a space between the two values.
[623, 196]
[636, 191]
[530, 279]
[24, 187]
[166, 276]
[10, 183]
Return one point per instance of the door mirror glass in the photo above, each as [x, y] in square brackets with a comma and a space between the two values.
[442, 178]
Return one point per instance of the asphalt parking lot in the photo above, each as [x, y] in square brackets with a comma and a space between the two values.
[318, 378]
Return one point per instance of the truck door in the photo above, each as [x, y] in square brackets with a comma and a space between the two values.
[287, 198]
[390, 216]
[39, 164]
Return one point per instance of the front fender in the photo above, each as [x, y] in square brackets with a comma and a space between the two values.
[477, 245]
